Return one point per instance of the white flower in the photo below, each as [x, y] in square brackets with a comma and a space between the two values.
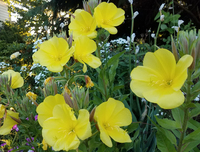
[161, 6]
[45, 27]
[135, 14]
[130, 1]
[14, 55]
[153, 35]
[30, 151]
[180, 22]
[176, 28]
[132, 38]
[162, 17]
[62, 25]
[137, 49]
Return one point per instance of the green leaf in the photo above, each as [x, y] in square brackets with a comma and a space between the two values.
[132, 127]
[190, 146]
[112, 71]
[112, 60]
[196, 111]
[168, 124]
[163, 26]
[178, 114]
[163, 143]
[193, 124]
[195, 135]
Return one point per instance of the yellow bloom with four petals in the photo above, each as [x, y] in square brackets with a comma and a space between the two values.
[53, 53]
[160, 79]
[16, 80]
[110, 116]
[108, 16]
[61, 129]
[84, 47]
[8, 122]
[82, 24]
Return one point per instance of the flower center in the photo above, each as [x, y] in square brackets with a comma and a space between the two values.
[161, 83]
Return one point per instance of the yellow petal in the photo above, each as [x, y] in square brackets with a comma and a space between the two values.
[161, 61]
[119, 135]
[83, 128]
[92, 61]
[45, 109]
[181, 71]
[2, 110]
[105, 138]
[171, 100]
[8, 122]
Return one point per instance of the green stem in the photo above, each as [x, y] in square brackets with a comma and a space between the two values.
[186, 111]
[155, 40]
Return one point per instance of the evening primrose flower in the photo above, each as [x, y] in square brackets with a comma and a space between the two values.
[45, 109]
[108, 16]
[110, 116]
[63, 130]
[8, 122]
[16, 80]
[53, 53]
[84, 47]
[88, 82]
[160, 79]
[83, 24]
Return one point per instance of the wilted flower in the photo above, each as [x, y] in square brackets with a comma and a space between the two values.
[15, 55]
[130, 1]
[110, 116]
[88, 82]
[16, 80]
[84, 47]
[54, 54]
[9, 122]
[179, 24]
[161, 6]
[137, 49]
[162, 17]
[31, 95]
[83, 24]
[160, 79]
[135, 14]
[108, 16]
[132, 38]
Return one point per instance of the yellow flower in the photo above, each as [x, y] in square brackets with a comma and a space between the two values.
[17, 81]
[61, 129]
[14, 55]
[84, 47]
[53, 54]
[110, 116]
[160, 79]
[108, 16]
[83, 24]
[8, 122]
[45, 109]
[2, 110]
[31, 95]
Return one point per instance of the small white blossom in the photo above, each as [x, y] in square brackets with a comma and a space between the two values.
[180, 22]
[153, 35]
[130, 1]
[162, 17]
[132, 38]
[62, 25]
[15, 55]
[161, 6]
[135, 14]
[137, 49]
[45, 27]
[176, 28]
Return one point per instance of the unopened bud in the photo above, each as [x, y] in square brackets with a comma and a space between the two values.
[92, 114]
[174, 50]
